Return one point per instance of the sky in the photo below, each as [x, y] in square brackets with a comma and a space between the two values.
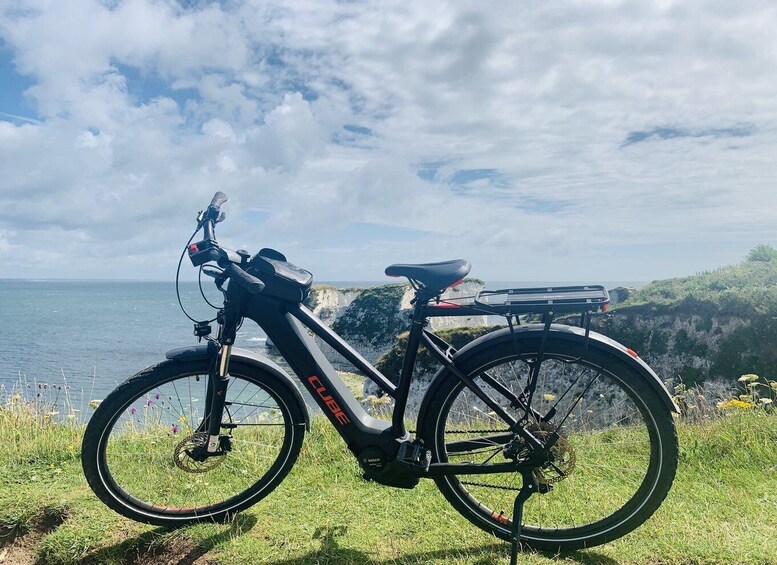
[600, 140]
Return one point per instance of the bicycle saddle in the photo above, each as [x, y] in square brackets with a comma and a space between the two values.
[434, 276]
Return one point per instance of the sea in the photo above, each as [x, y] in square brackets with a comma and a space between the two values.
[79, 339]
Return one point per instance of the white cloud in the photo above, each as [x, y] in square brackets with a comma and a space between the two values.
[146, 108]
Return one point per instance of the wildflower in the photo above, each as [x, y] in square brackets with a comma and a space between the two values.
[133, 410]
[149, 402]
[182, 420]
[765, 401]
[736, 403]
[749, 378]
[549, 397]
[156, 396]
[175, 428]
[94, 403]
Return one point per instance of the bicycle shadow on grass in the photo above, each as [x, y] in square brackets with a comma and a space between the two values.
[167, 545]
[496, 553]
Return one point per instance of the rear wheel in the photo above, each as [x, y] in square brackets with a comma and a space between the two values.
[142, 450]
[612, 466]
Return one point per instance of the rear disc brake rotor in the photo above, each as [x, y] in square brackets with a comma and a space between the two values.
[563, 463]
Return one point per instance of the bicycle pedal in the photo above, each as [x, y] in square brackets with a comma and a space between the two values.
[413, 454]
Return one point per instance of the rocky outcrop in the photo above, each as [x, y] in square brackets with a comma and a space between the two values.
[329, 303]
[693, 347]
[370, 319]
[621, 294]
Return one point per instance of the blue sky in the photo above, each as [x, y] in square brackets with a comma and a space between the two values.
[541, 141]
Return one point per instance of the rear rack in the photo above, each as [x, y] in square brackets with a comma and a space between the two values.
[557, 299]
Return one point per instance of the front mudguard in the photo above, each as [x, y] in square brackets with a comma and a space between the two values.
[207, 353]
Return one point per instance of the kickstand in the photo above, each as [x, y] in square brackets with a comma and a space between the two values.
[529, 487]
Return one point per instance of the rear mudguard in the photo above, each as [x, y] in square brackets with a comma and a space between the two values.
[205, 353]
[557, 331]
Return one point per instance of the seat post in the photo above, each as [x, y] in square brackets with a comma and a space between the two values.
[418, 321]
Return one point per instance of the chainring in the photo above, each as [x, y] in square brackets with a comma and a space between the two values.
[184, 461]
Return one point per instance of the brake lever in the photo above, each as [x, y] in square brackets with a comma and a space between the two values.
[211, 272]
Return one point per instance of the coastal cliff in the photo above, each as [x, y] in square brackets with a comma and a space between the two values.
[707, 328]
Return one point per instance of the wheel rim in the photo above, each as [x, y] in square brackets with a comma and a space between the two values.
[615, 450]
[145, 452]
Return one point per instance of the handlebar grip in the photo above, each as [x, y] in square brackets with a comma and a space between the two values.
[218, 199]
[248, 282]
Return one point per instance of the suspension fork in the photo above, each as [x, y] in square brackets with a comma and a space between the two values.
[218, 377]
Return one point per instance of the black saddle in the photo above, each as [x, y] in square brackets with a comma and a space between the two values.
[433, 276]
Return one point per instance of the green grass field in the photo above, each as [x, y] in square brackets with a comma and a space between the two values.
[722, 509]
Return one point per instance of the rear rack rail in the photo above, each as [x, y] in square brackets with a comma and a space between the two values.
[517, 301]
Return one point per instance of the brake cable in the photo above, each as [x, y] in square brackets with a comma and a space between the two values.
[177, 286]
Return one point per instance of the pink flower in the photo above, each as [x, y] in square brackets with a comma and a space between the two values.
[133, 410]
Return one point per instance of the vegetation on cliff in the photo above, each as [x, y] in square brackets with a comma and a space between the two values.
[390, 364]
[374, 315]
[749, 288]
[713, 325]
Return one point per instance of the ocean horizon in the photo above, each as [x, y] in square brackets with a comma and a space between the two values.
[88, 336]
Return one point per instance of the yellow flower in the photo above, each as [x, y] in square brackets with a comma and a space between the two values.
[549, 397]
[736, 403]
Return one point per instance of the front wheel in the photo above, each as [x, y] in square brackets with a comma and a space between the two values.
[142, 450]
[611, 467]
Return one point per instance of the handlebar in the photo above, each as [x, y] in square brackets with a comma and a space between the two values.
[209, 250]
[218, 199]
[248, 282]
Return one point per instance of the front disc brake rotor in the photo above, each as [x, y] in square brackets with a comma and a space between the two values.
[195, 442]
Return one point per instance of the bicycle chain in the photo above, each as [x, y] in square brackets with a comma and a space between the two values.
[474, 484]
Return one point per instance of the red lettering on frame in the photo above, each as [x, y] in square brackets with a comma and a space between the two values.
[320, 389]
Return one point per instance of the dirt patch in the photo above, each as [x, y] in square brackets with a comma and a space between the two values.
[19, 543]
[177, 551]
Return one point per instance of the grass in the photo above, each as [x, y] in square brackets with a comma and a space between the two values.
[748, 288]
[722, 508]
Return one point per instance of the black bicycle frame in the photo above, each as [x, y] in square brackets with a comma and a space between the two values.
[286, 325]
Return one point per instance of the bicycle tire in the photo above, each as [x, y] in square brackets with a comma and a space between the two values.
[134, 451]
[644, 436]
